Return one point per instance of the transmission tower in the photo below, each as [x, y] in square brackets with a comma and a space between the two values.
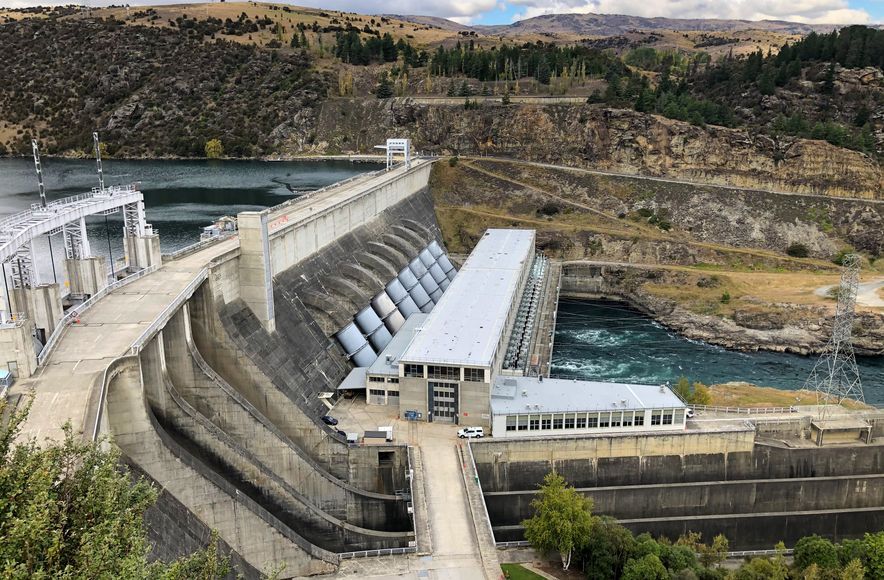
[835, 376]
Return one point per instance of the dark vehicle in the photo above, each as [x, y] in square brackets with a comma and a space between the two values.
[329, 420]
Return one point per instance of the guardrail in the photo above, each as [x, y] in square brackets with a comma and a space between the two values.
[197, 246]
[76, 311]
[744, 410]
[737, 554]
[167, 313]
[376, 553]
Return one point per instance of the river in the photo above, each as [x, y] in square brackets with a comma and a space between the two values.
[608, 341]
[180, 197]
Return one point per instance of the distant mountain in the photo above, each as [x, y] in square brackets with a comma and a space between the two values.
[434, 21]
[617, 24]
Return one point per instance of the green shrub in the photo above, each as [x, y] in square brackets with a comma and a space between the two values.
[726, 297]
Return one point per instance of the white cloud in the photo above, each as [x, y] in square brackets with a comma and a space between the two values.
[466, 11]
[810, 11]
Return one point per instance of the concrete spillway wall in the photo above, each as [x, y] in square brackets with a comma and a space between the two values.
[313, 299]
[209, 497]
[227, 403]
[710, 482]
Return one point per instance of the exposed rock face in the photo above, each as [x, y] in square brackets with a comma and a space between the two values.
[610, 139]
[801, 329]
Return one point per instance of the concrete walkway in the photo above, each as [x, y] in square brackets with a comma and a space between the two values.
[64, 387]
[453, 544]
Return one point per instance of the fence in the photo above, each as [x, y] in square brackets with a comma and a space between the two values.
[377, 553]
[197, 246]
[169, 311]
[734, 555]
[75, 312]
[745, 410]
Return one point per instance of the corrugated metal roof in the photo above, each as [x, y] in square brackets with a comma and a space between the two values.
[465, 326]
[514, 395]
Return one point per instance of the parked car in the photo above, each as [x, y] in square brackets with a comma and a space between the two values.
[329, 420]
[689, 413]
[470, 432]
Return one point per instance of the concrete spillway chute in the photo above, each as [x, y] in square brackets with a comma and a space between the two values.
[444, 284]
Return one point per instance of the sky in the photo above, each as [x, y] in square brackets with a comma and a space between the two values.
[508, 11]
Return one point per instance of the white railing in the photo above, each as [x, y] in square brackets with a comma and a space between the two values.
[736, 554]
[377, 553]
[197, 246]
[75, 312]
[167, 313]
[744, 410]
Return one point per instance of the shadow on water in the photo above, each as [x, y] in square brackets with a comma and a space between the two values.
[609, 341]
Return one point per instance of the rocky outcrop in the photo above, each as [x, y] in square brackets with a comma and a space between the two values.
[591, 136]
[753, 325]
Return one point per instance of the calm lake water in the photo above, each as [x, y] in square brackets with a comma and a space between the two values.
[180, 197]
[608, 341]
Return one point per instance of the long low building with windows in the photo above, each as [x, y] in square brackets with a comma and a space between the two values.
[536, 406]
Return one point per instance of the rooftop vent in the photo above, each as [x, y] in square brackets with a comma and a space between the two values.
[389, 358]
[524, 392]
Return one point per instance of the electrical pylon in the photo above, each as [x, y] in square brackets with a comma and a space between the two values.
[835, 376]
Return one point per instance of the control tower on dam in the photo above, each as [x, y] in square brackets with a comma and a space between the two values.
[212, 372]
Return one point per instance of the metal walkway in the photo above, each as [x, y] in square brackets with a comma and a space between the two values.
[21, 228]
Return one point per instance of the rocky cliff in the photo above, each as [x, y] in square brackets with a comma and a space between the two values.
[589, 136]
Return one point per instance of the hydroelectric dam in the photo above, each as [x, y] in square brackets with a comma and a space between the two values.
[215, 369]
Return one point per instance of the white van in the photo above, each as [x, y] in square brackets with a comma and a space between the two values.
[470, 432]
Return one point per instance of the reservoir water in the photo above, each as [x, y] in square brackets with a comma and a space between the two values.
[608, 341]
[180, 197]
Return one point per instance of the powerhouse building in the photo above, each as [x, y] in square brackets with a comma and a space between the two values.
[446, 371]
[462, 358]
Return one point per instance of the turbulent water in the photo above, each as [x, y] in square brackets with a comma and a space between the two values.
[609, 341]
[180, 197]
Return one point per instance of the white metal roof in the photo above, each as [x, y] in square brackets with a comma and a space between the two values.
[514, 395]
[396, 347]
[465, 327]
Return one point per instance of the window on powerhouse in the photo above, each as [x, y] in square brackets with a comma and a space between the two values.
[392, 393]
[376, 379]
[443, 372]
[376, 392]
[606, 419]
[414, 371]
[474, 375]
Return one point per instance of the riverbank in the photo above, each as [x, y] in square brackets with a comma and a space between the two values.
[707, 308]
[746, 395]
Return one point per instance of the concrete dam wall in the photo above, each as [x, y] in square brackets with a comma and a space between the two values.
[757, 494]
[227, 401]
